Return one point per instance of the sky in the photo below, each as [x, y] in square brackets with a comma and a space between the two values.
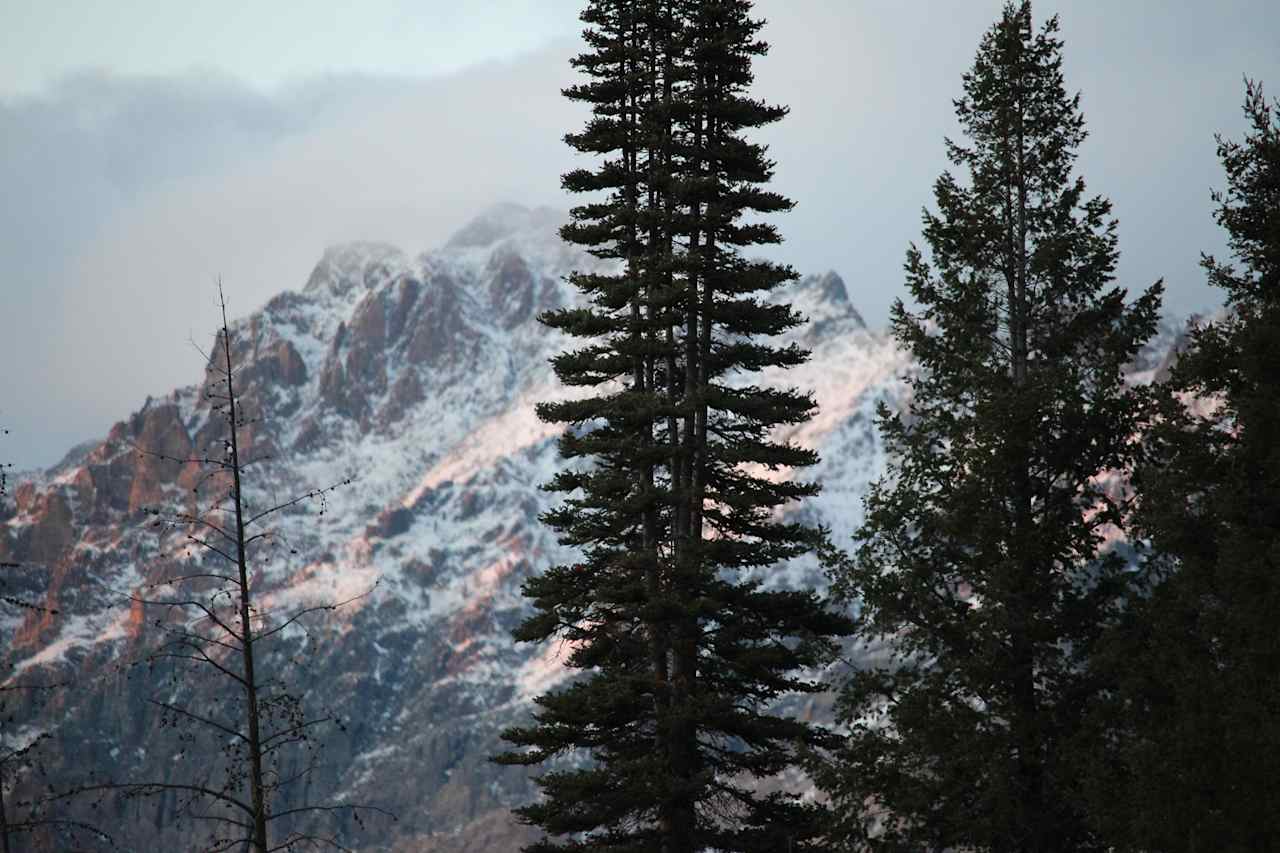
[148, 148]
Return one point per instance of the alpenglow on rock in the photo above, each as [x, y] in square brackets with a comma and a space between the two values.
[418, 375]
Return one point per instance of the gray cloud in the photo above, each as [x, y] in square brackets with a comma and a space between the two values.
[137, 195]
[126, 197]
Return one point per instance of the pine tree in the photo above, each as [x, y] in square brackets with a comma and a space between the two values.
[682, 648]
[984, 576]
[599, 603]
[1195, 718]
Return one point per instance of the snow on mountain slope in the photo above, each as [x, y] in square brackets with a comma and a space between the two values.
[416, 376]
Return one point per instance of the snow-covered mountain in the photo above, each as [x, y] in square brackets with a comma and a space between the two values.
[417, 376]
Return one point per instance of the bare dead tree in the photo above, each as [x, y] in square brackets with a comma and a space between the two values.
[252, 745]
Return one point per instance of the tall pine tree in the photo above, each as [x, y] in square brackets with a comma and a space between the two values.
[984, 568]
[682, 648]
[1195, 716]
[600, 602]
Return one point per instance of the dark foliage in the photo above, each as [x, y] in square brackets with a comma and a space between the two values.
[664, 739]
[1194, 721]
[985, 575]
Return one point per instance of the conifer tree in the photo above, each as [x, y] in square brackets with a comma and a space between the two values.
[1194, 721]
[599, 602]
[676, 512]
[984, 571]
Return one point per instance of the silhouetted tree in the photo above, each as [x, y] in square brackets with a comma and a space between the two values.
[677, 514]
[985, 575]
[1193, 725]
[251, 745]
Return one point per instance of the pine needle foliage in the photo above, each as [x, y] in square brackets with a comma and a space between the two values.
[984, 573]
[1195, 719]
[673, 493]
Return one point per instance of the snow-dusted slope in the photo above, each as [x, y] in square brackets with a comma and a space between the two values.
[417, 376]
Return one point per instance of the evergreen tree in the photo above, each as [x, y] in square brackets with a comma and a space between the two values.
[984, 570]
[682, 648]
[1195, 718]
[599, 603]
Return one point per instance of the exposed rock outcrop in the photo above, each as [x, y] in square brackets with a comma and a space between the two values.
[417, 376]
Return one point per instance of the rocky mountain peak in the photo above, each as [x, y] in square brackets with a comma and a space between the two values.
[832, 288]
[503, 221]
[348, 267]
[822, 299]
[419, 376]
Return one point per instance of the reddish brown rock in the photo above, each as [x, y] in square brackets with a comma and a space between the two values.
[434, 340]
[279, 364]
[405, 298]
[163, 445]
[51, 534]
[405, 394]
[341, 395]
[511, 290]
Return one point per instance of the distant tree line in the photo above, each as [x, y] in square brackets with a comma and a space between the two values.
[1063, 602]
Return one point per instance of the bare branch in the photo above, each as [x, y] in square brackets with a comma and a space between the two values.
[202, 576]
[200, 605]
[331, 809]
[314, 493]
[150, 789]
[183, 637]
[274, 741]
[178, 709]
[204, 543]
[317, 608]
[202, 658]
[297, 838]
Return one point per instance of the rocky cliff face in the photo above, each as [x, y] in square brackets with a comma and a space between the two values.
[417, 377]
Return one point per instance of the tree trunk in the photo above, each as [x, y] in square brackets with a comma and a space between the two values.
[246, 625]
[1027, 738]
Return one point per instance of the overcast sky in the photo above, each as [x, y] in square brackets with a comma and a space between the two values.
[147, 147]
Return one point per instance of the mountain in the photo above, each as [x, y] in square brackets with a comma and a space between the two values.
[417, 376]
